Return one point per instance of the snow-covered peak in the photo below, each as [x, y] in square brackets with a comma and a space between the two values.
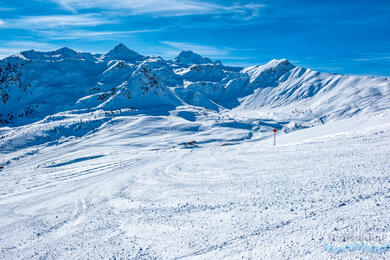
[30, 54]
[283, 64]
[121, 52]
[64, 53]
[273, 65]
[189, 57]
[274, 69]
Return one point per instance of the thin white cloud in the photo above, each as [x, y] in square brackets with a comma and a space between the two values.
[141, 7]
[374, 59]
[1, 22]
[82, 34]
[5, 52]
[13, 47]
[54, 21]
[24, 45]
[66, 6]
[6, 9]
[163, 7]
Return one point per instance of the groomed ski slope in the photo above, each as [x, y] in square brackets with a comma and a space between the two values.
[129, 192]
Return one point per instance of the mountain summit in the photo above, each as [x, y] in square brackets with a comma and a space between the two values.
[121, 52]
[189, 57]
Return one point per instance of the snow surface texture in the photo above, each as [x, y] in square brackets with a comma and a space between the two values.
[128, 156]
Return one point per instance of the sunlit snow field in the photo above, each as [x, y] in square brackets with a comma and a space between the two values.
[138, 188]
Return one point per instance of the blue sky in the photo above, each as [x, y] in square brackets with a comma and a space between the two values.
[332, 36]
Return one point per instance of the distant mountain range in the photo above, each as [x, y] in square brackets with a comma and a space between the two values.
[34, 85]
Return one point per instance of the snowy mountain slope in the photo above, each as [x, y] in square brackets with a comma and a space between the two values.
[45, 84]
[37, 85]
[289, 89]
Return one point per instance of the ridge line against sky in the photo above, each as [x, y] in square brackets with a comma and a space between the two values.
[333, 36]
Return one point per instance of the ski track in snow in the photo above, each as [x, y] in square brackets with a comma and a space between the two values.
[95, 198]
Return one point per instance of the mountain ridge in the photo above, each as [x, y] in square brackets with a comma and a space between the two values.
[34, 85]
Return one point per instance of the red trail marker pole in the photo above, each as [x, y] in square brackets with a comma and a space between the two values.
[275, 130]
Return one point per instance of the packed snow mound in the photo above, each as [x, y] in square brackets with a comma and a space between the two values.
[36, 84]
[189, 57]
